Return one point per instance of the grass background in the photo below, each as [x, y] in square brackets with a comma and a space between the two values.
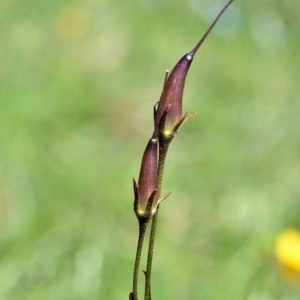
[78, 83]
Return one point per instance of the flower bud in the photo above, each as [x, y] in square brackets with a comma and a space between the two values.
[148, 173]
[173, 89]
[146, 191]
[173, 93]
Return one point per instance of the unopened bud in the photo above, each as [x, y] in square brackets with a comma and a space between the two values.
[173, 90]
[146, 191]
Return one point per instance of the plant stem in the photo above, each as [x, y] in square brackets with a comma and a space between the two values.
[163, 149]
[142, 231]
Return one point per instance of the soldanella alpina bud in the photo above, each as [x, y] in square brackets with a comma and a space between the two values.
[145, 193]
[170, 118]
[170, 104]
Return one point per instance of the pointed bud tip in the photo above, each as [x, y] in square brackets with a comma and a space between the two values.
[153, 140]
[192, 53]
[134, 182]
[189, 56]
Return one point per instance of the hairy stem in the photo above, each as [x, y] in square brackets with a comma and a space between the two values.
[142, 231]
[163, 149]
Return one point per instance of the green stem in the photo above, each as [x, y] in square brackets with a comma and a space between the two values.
[142, 231]
[163, 149]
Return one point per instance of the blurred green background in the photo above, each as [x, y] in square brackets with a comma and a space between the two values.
[78, 83]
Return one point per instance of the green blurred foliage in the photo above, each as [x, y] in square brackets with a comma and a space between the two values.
[78, 83]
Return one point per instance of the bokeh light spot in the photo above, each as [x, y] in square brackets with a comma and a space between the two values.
[71, 23]
[268, 31]
[287, 249]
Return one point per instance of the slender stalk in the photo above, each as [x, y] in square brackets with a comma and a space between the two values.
[163, 149]
[142, 231]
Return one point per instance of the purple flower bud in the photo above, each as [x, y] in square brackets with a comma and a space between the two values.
[173, 92]
[174, 85]
[146, 191]
[148, 173]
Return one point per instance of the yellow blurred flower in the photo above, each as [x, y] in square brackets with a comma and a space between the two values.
[287, 249]
[71, 23]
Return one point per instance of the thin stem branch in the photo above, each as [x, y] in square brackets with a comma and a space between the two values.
[142, 231]
[163, 149]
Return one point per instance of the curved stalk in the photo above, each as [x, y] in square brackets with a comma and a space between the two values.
[163, 149]
[142, 231]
